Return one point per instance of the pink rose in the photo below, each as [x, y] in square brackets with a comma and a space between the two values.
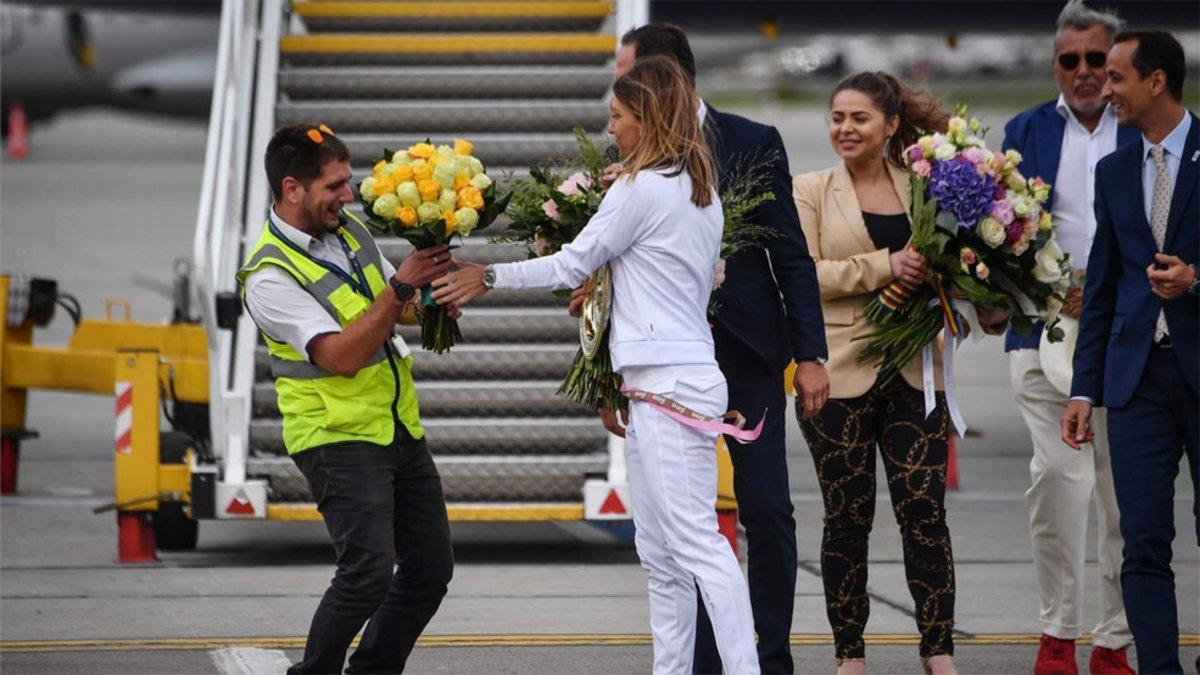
[982, 272]
[571, 186]
[967, 256]
[974, 155]
[1002, 210]
[1013, 232]
[550, 209]
[922, 168]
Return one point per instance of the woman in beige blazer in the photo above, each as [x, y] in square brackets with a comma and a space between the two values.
[854, 218]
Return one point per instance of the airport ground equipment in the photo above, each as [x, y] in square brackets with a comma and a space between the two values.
[515, 77]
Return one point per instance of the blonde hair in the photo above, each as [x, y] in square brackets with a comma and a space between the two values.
[659, 94]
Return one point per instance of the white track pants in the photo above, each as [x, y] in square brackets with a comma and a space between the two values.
[1065, 482]
[673, 485]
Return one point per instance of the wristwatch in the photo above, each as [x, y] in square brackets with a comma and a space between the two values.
[489, 277]
[404, 292]
[1194, 289]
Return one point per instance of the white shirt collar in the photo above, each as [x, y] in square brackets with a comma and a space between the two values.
[1174, 142]
[1065, 110]
[702, 111]
[295, 235]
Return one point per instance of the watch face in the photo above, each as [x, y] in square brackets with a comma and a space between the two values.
[404, 292]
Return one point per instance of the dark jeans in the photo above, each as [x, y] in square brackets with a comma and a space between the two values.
[383, 506]
[842, 438]
[760, 483]
[1147, 437]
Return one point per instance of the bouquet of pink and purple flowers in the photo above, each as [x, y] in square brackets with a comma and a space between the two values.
[989, 242]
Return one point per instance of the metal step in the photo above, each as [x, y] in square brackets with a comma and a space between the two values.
[458, 15]
[490, 479]
[533, 398]
[493, 149]
[473, 82]
[433, 116]
[475, 362]
[477, 436]
[447, 48]
[511, 325]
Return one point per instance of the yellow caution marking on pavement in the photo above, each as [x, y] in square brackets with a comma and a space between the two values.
[453, 10]
[422, 43]
[513, 640]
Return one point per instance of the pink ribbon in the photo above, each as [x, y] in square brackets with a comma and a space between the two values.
[690, 418]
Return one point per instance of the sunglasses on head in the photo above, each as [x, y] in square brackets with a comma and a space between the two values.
[315, 136]
[1071, 61]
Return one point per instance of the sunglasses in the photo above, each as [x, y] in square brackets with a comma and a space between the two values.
[1071, 61]
[315, 135]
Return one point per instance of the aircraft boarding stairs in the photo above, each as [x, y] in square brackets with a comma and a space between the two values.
[513, 78]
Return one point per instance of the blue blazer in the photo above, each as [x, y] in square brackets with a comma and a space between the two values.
[1037, 134]
[1119, 311]
[772, 309]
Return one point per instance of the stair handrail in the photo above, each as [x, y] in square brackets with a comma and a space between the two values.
[220, 222]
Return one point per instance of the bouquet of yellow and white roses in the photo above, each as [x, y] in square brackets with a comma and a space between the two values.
[426, 195]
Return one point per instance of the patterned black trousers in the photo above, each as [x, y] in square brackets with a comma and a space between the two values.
[842, 438]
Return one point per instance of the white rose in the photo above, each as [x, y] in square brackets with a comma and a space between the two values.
[1048, 267]
[991, 231]
[944, 151]
[367, 189]
[956, 124]
[481, 181]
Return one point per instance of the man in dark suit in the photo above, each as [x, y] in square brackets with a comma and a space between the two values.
[770, 314]
[1061, 141]
[1138, 351]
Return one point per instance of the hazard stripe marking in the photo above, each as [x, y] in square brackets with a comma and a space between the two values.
[510, 640]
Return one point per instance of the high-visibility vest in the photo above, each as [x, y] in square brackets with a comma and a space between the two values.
[320, 407]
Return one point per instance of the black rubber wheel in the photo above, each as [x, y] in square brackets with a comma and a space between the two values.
[173, 529]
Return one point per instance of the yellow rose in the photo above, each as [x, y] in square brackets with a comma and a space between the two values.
[462, 180]
[384, 185]
[471, 198]
[422, 150]
[403, 174]
[462, 147]
[451, 222]
[423, 172]
[407, 215]
[378, 168]
[435, 160]
[430, 190]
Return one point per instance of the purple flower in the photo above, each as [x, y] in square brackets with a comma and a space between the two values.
[1013, 232]
[959, 189]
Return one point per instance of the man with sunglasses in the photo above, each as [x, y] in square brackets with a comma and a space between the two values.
[326, 302]
[1061, 141]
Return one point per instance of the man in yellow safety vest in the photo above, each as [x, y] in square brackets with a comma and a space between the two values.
[326, 302]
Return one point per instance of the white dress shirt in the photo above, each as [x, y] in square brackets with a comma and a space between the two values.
[285, 311]
[663, 251]
[1075, 184]
[1172, 154]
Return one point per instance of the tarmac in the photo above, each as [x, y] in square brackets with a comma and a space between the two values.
[106, 201]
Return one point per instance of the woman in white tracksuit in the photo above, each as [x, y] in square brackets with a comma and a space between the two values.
[659, 227]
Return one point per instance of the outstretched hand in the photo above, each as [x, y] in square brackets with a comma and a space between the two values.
[460, 286]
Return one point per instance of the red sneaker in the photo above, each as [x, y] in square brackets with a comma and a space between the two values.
[1109, 662]
[1056, 657]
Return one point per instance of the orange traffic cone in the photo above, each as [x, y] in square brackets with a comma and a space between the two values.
[18, 132]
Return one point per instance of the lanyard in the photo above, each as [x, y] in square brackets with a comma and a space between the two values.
[360, 284]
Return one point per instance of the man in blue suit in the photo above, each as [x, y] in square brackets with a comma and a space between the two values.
[1138, 351]
[770, 314]
[1061, 141]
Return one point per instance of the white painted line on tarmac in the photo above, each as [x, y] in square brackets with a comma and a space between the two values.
[250, 661]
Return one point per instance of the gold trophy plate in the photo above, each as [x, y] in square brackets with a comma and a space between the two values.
[597, 307]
